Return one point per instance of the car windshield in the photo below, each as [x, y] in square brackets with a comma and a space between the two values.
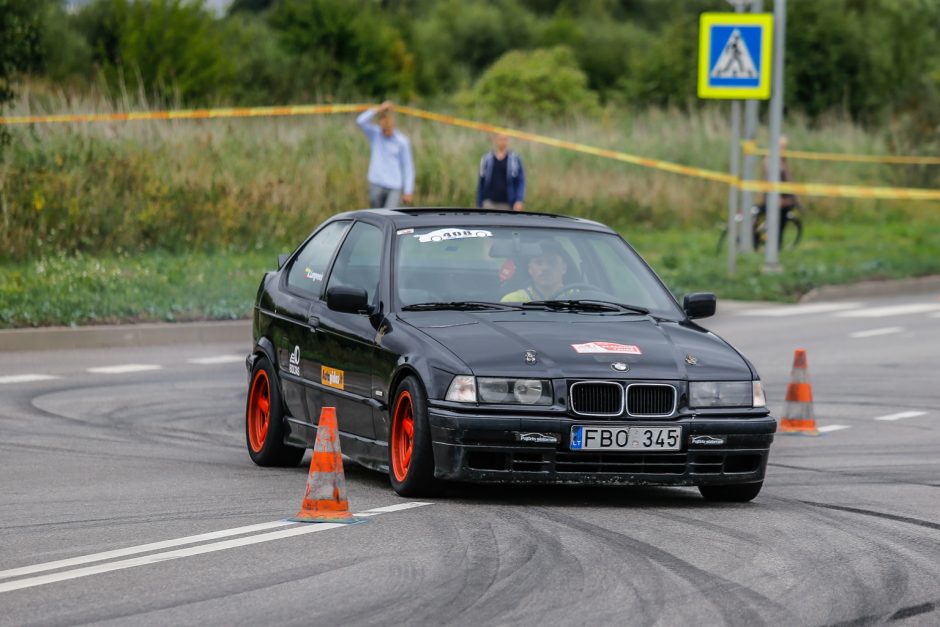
[558, 269]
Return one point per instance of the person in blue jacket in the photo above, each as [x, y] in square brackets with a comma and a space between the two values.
[391, 167]
[502, 178]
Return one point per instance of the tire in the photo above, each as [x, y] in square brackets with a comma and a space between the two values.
[792, 233]
[410, 456]
[740, 493]
[264, 420]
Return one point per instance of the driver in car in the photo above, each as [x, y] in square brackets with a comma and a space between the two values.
[547, 273]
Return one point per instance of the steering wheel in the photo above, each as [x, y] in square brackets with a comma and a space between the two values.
[573, 286]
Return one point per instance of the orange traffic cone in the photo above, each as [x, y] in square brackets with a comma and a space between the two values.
[325, 498]
[799, 416]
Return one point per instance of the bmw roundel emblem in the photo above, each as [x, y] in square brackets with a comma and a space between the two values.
[619, 366]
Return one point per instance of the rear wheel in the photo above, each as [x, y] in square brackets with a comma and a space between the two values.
[264, 420]
[411, 458]
[740, 493]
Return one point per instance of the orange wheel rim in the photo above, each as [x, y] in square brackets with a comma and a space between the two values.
[259, 411]
[403, 436]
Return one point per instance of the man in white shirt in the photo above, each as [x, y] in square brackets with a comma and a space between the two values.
[391, 167]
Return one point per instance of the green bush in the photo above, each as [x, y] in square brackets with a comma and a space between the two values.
[545, 82]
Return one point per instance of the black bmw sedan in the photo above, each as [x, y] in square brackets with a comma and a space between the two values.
[488, 346]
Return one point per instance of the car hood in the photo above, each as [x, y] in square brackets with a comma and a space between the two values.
[495, 343]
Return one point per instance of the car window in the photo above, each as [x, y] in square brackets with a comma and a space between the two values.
[520, 264]
[359, 261]
[307, 270]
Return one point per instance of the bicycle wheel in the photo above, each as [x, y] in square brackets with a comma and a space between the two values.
[721, 241]
[759, 230]
[792, 233]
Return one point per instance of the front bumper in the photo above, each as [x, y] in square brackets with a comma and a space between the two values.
[488, 449]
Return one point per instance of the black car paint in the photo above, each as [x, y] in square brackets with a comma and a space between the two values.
[380, 348]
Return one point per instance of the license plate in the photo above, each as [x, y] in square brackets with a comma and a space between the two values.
[591, 438]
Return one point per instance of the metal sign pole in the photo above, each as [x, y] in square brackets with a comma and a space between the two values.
[735, 153]
[750, 134]
[732, 189]
[772, 261]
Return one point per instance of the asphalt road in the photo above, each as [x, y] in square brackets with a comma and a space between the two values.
[97, 466]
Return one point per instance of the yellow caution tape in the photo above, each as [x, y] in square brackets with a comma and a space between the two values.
[843, 191]
[656, 164]
[751, 148]
[184, 114]
[806, 189]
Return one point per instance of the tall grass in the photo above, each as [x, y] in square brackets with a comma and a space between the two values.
[259, 184]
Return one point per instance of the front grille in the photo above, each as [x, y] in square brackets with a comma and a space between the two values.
[596, 398]
[649, 400]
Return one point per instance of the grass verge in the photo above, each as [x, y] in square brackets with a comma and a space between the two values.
[81, 289]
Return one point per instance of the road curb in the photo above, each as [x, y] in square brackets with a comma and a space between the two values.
[864, 289]
[124, 335]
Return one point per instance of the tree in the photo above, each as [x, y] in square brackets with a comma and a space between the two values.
[19, 35]
[543, 82]
[159, 47]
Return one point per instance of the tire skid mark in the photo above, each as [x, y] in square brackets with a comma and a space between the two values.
[876, 514]
[735, 602]
[523, 589]
[873, 478]
[913, 610]
[870, 594]
[647, 583]
[896, 581]
[191, 596]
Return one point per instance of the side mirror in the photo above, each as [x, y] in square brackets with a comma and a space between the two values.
[699, 305]
[282, 259]
[348, 299]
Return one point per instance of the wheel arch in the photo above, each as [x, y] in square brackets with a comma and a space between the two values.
[265, 347]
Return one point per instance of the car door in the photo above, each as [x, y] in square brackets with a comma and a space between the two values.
[346, 341]
[302, 287]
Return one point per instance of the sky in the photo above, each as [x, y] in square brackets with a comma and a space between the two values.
[217, 6]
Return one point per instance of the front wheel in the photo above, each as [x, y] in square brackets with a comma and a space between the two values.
[740, 493]
[264, 420]
[411, 458]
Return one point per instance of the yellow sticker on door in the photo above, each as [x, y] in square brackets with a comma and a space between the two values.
[332, 377]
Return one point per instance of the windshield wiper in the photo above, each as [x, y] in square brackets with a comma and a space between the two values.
[585, 305]
[462, 305]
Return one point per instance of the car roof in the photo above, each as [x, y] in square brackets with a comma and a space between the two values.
[417, 217]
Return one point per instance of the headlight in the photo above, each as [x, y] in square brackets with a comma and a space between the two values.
[498, 390]
[724, 394]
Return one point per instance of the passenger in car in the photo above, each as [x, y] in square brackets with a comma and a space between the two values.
[547, 273]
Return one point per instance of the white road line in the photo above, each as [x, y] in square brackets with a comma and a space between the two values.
[894, 310]
[124, 368]
[153, 558]
[141, 548]
[26, 378]
[799, 310]
[400, 507]
[876, 332]
[830, 428]
[218, 359]
[901, 415]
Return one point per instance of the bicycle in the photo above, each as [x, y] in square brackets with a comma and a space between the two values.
[791, 228]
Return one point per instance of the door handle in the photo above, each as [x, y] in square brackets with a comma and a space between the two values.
[313, 322]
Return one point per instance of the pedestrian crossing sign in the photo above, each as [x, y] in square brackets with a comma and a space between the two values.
[734, 53]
